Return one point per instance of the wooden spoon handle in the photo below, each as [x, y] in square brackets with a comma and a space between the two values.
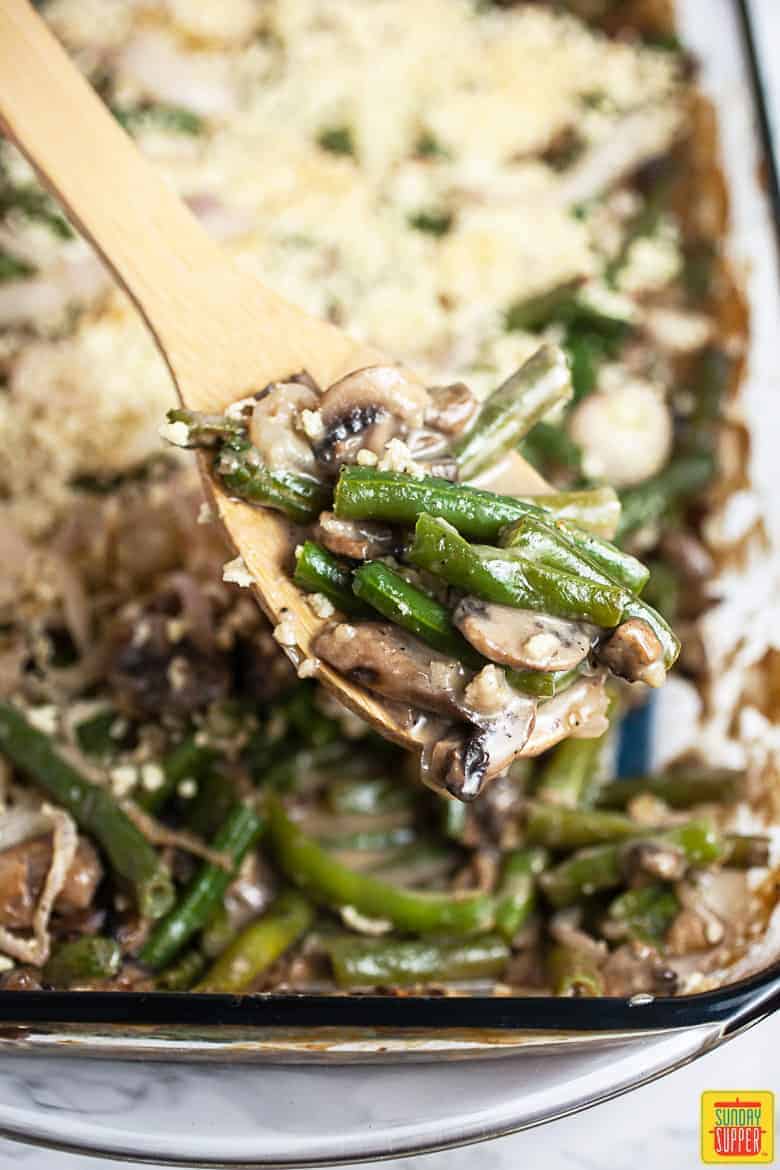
[148, 237]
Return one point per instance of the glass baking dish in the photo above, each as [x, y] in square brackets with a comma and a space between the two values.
[375, 1027]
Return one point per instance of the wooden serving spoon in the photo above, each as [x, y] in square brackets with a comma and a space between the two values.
[222, 334]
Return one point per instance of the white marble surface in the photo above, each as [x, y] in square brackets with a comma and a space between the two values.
[653, 1127]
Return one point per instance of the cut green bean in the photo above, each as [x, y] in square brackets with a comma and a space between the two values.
[404, 963]
[648, 502]
[569, 772]
[183, 974]
[94, 809]
[540, 384]
[679, 788]
[516, 893]
[259, 946]
[573, 972]
[645, 913]
[317, 570]
[599, 868]
[206, 430]
[543, 684]
[536, 539]
[84, 960]
[560, 828]
[507, 578]
[544, 540]
[300, 497]
[548, 446]
[93, 735]
[595, 510]
[218, 932]
[392, 596]
[367, 493]
[187, 761]
[310, 867]
[206, 890]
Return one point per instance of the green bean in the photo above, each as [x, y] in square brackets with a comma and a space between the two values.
[206, 890]
[595, 510]
[536, 539]
[535, 312]
[367, 493]
[599, 868]
[645, 913]
[745, 851]
[562, 828]
[573, 972]
[186, 761]
[94, 809]
[218, 932]
[508, 414]
[505, 577]
[454, 818]
[206, 430]
[300, 497]
[307, 865]
[183, 974]
[543, 540]
[14, 267]
[317, 570]
[259, 946]
[401, 963]
[82, 961]
[216, 796]
[651, 501]
[569, 771]
[679, 787]
[516, 893]
[392, 596]
[544, 684]
[93, 735]
[549, 446]
[375, 794]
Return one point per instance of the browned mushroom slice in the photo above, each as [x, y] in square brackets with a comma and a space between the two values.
[276, 427]
[464, 761]
[385, 659]
[580, 712]
[694, 930]
[634, 652]
[367, 408]
[637, 967]
[361, 539]
[452, 408]
[23, 870]
[523, 638]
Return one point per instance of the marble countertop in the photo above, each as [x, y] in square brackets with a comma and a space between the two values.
[654, 1126]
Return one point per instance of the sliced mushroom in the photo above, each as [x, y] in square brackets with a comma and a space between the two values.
[367, 408]
[385, 659]
[580, 712]
[565, 927]
[361, 539]
[694, 930]
[275, 426]
[23, 870]
[634, 652]
[637, 967]
[523, 638]
[452, 408]
[464, 761]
